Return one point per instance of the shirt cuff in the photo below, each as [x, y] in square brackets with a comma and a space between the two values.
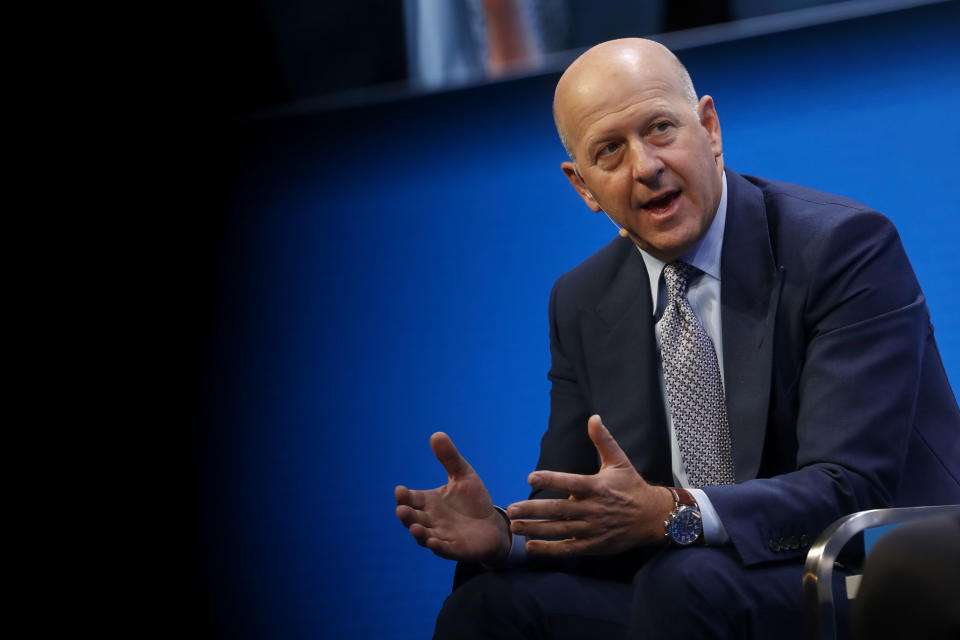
[518, 551]
[714, 533]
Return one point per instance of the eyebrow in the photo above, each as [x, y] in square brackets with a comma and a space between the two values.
[609, 135]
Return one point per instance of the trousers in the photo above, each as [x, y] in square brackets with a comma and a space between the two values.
[699, 592]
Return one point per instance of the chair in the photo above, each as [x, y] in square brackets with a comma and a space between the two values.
[819, 610]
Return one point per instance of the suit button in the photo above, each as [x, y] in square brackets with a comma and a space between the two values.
[793, 543]
[772, 544]
[804, 541]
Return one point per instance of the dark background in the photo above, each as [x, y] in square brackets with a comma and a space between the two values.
[347, 281]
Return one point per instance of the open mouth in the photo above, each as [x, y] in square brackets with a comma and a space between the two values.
[662, 203]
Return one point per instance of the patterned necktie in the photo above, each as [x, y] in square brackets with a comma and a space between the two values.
[694, 387]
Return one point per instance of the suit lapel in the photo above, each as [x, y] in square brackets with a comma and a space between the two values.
[622, 368]
[750, 293]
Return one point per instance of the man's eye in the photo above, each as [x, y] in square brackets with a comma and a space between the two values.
[661, 127]
[608, 149]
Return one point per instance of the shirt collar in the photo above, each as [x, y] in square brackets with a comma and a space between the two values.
[705, 255]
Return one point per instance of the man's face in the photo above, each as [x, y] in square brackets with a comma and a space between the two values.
[646, 157]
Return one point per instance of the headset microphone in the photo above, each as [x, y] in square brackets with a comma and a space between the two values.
[623, 232]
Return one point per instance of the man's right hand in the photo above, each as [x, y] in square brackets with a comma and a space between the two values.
[456, 521]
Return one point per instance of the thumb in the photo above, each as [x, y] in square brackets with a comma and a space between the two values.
[454, 464]
[611, 455]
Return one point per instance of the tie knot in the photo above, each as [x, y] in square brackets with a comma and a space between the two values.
[678, 275]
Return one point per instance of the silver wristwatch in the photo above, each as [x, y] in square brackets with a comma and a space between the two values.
[684, 525]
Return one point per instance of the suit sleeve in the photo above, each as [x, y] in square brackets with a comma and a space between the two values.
[865, 327]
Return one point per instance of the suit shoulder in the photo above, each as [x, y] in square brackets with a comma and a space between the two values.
[795, 212]
[830, 246]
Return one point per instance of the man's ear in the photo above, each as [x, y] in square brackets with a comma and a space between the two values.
[711, 124]
[571, 172]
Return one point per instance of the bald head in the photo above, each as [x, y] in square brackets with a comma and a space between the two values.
[608, 64]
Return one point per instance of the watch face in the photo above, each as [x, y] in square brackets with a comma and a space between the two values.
[686, 527]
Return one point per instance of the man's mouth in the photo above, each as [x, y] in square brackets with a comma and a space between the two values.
[662, 203]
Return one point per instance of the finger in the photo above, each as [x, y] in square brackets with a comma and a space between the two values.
[561, 548]
[440, 547]
[570, 483]
[410, 517]
[547, 510]
[426, 538]
[454, 464]
[551, 528]
[410, 497]
[610, 452]
[420, 533]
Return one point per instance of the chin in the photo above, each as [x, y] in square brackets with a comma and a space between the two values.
[673, 249]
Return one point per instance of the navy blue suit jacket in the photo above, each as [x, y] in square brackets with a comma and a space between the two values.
[836, 396]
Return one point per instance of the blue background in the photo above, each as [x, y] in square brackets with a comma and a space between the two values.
[382, 273]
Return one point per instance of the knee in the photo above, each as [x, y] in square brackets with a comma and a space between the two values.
[686, 572]
[683, 583]
[708, 593]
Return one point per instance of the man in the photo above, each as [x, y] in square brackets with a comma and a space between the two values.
[763, 362]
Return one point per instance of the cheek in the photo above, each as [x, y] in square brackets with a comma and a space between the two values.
[616, 192]
[704, 180]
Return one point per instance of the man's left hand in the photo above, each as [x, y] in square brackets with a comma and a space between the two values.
[608, 512]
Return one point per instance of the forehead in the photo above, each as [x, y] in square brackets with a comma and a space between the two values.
[595, 106]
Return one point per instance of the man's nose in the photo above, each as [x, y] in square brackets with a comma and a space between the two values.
[645, 163]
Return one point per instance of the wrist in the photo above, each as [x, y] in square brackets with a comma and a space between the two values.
[502, 552]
